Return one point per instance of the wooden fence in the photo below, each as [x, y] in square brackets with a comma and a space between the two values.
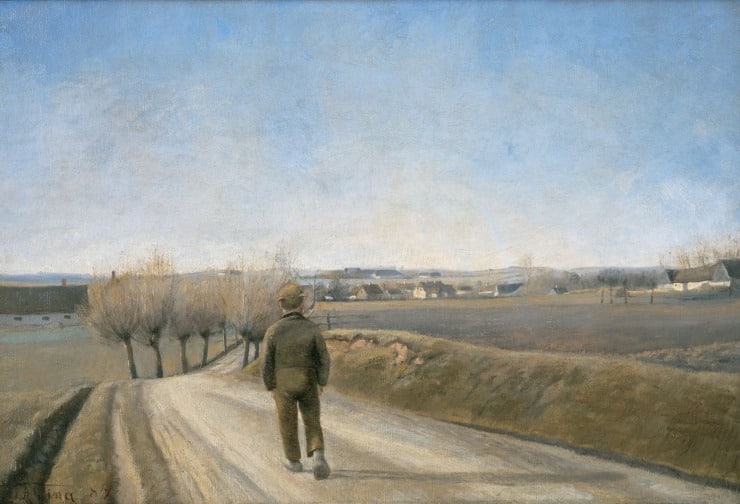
[333, 320]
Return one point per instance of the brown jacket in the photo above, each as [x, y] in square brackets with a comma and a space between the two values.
[294, 342]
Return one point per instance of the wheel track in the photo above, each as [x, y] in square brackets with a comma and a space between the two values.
[29, 482]
[141, 464]
[175, 431]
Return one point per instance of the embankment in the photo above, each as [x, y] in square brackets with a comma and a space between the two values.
[684, 422]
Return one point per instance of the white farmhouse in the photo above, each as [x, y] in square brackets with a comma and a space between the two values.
[723, 274]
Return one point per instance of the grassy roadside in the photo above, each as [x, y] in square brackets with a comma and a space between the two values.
[33, 431]
[681, 420]
[23, 413]
[87, 472]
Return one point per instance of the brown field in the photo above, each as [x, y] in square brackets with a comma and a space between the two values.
[52, 358]
[537, 382]
[571, 323]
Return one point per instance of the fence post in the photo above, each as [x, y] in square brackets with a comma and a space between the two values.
[328, 321]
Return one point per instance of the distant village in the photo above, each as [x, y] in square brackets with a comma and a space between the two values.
[29, 296]
[363, 284]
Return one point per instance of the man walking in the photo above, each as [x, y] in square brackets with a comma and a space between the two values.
[295, 370]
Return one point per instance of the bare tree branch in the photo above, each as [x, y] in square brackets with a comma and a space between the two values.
[156, 297]
[113, 312]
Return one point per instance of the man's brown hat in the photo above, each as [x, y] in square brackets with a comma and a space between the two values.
[291, 294]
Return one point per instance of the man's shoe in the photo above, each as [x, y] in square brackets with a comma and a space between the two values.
[293, 466]
[320, 467]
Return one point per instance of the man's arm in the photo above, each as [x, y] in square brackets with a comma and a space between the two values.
[324, 363]
[268, 364]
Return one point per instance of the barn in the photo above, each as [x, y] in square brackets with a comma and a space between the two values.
[369, 292]
[722, 274]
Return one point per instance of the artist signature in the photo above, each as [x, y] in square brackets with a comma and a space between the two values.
[37, 493]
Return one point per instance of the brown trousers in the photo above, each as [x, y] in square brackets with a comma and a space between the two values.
[296, 388]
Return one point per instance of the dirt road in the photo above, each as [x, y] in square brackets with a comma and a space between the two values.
[205, 438]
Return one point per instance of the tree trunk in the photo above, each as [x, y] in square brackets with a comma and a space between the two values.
[245, 360]
[611, 298]
[256, 349]
[158, 353]
[130, 356]
[154, 343]
[205, 337]
[652, 293]
[602, 296]
[184, 355]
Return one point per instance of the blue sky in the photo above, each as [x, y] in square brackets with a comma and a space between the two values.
[407, 134]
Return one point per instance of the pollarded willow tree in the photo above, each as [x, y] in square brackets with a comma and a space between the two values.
[252, 306]
[256, 308]
[155, 282]
[113, 311]
[204, 312]
[182, 325]
[224, 290]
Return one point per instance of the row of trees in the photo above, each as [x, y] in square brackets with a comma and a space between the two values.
[150, 301]
[704, 252]
[614, 277]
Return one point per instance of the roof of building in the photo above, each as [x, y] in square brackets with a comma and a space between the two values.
[732, 266]
[429, 285]
[508, 288]
[371, 289]
[387, 273]
[429, 274]
[698, 274]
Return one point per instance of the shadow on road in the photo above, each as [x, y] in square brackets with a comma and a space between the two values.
[480, 477]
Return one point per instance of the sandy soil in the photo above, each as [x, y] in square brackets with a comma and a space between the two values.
[207, 437]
